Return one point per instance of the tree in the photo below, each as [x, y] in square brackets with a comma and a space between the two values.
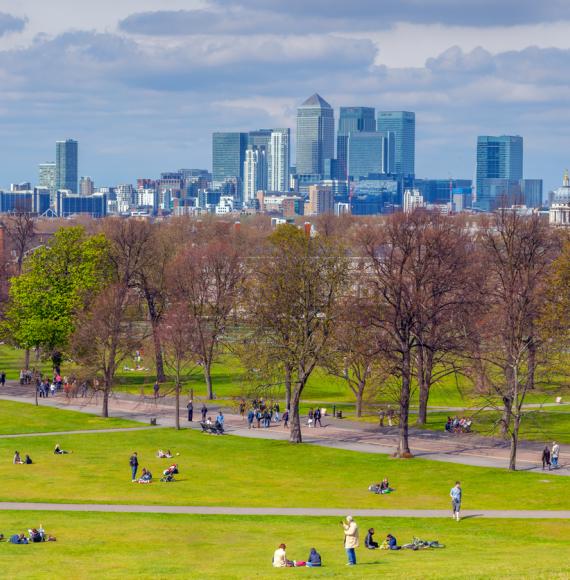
[140, 253]
[206, 277]
[56, 283]
[292, 306]
[178, 332]
[447, 301]
[518, 252]
[21, 231]
[353, 354]
[399, 263]
[106, 335]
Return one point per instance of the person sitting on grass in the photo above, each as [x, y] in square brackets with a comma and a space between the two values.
[146, 476]
[369, 541]
[280, 558]
[392, 543]
[17, 459]
[59, 451]
[314, 559]
[28, 460]
[385, 486]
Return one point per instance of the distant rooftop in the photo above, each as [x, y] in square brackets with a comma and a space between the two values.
[316, 101]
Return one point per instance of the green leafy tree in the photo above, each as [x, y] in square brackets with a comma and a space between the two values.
[56, 282]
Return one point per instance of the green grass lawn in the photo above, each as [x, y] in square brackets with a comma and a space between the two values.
[547, 424]
[237, 471]
[16, 418]
[96, 546]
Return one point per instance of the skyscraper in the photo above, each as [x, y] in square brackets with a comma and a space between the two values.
[351, 120]
[279, 160]
[228, 156]
[403, 125]
[315, 135]
[499, 171]
[261, 141]
[86, 186]
[47, 175]
[253, 174]
[66, 162]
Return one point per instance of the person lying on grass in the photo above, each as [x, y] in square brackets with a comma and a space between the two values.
[382, 487]
[164, 454]
[18, 539]
[146, 476]
[59, 451]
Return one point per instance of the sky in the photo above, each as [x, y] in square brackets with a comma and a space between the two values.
[142, 84]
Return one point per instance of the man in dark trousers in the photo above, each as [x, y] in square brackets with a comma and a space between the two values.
[204, 412]
[546, 458]
[2, 378]
[134, 463]
[190, 408]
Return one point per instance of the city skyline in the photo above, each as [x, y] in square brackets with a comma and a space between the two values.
[122, 80]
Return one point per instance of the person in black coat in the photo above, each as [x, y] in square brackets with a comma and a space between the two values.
[204, 413]
[190, 408]
[546, 458]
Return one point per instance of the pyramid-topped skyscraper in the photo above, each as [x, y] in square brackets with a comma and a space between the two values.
[315, 135]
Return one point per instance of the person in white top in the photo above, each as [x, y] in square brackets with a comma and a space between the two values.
[280, 558]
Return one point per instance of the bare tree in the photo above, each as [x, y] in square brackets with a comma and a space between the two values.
[178, 332]
[105, 336]
[518, 252]
[206, 276]
[292, 306]
[21, 232]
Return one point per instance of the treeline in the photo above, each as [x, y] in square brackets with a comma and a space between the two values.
[398, 301]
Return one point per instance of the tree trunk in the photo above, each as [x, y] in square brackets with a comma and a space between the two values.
[514, 443]
[287, 387]
[208, 379]
[106, 402]
[37, 353]
[425, 369]
[27, 359]
[295, 418]
[178, 404]
[403, 445]
[359, 393]
[154, 323]
[506, 418]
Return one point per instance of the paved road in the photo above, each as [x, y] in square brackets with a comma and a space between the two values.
[339, 434]
[270, 511]
[78, 432]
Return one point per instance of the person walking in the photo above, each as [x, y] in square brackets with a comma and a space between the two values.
[286, 419]
[190, 407]
[554, 455]
[455, 494]
[350, 539]
[317, 417]
[546, 458]
[134, 463]
[250, 417]
[204, 412]
[156, 388]
[2, 378]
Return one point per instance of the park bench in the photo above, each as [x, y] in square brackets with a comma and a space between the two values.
[215, 428]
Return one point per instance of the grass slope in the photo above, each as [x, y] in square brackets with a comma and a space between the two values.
[236, 471]
[225, 547]
[17, 418]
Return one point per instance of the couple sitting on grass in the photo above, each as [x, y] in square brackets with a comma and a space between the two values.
[34, 535]
[280, 559]
[390, 543]
[382, 487]
[19, 461]
[146, 476]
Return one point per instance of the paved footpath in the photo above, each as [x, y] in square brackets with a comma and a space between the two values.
[284, 512]
[340, 434]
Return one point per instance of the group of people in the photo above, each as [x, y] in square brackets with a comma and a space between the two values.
[146, 475]
[314, 418]
[262, 414]
[390, 543]
[457, 425]
[35, 535]
[550, 456]
[280, 559]
[19, 461]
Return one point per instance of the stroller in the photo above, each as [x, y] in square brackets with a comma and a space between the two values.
[168, 474]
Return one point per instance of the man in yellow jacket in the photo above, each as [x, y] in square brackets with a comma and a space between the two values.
[350, 539]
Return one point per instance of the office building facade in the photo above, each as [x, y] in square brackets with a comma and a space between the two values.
[66, 161]
[351, 120]
[228, 156]
[47, 172]
[403, 125]
[279, 160]
[315, 136]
